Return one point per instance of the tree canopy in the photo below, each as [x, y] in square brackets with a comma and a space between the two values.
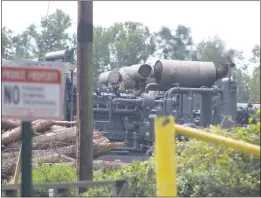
[128, 43]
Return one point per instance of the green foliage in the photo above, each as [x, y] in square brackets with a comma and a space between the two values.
[35, 41]
[122, 44]
[255, 79]
[131, 43]
[174, 45]
[50, 174]
[7, 38]
[140, 177]
[101, 50]
[243, 85]
[217, 171]
[128, 43]
[53, 35]
[24, 43]
[203, 169]
[214, 50]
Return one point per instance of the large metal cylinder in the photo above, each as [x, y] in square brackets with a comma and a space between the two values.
[65, 55]
[187, 73]
[127, 81]
[251, 108]
[139, 72]
[109, 77]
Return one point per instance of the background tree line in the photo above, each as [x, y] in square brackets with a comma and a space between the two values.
[128, 43]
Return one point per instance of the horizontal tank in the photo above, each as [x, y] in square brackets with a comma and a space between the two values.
[109, 77]
[139, 72]
[251, 108]
[187, 73]
[125, 78]
[65, 55]
[131, 74]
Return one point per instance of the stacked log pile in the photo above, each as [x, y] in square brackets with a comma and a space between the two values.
[51, 143]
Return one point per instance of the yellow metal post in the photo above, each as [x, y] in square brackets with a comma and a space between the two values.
[213, 138]
[165, 156]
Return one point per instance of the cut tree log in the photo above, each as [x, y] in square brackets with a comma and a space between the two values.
[64, 122]
[99, 148]
[51, 144]
[69, 151]
[57, 128]
[65, 138]
[51, 140]
[9, 124]
[15, 134]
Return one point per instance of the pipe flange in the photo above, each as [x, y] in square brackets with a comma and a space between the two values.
[148, 100]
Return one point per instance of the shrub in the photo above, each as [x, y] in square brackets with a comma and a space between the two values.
[140, 177]
[203, 169]
[50, 174]
[217, 171]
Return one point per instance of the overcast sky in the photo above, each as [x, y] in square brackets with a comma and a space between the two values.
[237, 23]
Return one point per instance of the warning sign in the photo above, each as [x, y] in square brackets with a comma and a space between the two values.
[31, 93]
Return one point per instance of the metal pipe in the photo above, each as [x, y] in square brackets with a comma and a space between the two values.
[128, 101]
[110, 115]
[159, 101]
[152, 116]
[190, 106]
[71, 98]
[150, 86]
[206, 109]
[165, 156]
[155, 86]
[216, 139]
[173, 90]
[125, 120]
[180, 114]
[115, 110]
[65, 102]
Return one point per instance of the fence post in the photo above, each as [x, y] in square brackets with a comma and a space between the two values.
[52, 193]
[9, 193]
[116, 188]
[63, 192]
[165, 156]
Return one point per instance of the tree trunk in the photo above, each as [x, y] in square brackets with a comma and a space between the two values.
[15, 134]
[8, 124]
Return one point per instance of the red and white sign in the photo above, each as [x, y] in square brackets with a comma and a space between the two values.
[32, 93]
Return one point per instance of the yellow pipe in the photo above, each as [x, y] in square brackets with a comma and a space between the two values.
[165, 156]
[210, 137]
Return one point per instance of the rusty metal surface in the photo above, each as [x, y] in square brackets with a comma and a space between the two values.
[186, 73]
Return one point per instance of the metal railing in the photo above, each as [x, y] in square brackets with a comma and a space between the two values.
[165, 147]
[119, 188]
